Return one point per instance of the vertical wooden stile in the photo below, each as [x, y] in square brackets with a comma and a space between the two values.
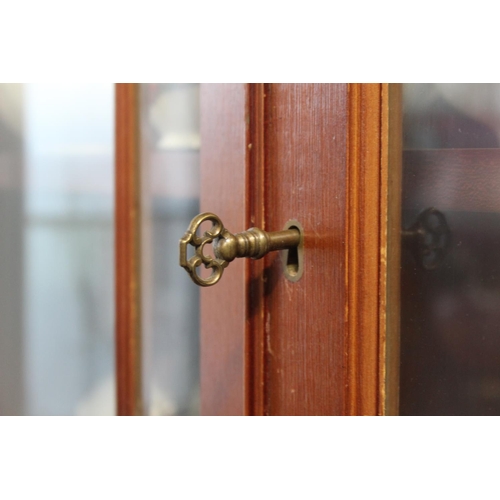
[127, 251]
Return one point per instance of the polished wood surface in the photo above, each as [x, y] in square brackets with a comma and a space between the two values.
[255, 373]
[320, 154]
[224, 130]
[362, 257]
[305, 155]
[127, 252]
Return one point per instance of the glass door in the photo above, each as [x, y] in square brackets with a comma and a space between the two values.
[56, 247]
[169, 166]
[450, 273]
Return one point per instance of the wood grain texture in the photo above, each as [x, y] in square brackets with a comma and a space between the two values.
[363, 231]
[373, 254]
[305, 156]
[224, 132]
[255, 333]
[127, 252]
[320, 154]
[452, 179]
[390, 247]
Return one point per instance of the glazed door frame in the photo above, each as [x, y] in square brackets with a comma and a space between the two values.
[235, 173]
[237, 177]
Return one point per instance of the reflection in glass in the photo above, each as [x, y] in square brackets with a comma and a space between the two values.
[170, 155]
[450, 317]
[56, 270]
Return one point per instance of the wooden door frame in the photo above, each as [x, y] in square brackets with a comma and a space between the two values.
[373, 257]
[127, 251]
[233, 372]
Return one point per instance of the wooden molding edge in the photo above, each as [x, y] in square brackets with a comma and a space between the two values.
[373, 249]
[363, 256]
[223, 170]
[256, 206]
[127, 251]
[390, 246]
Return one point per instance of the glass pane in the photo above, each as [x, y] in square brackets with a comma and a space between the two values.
[56, 270]
[450, 335]
[170, 158]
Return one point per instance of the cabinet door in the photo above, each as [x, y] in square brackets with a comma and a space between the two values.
[318, 154]
[157, 182]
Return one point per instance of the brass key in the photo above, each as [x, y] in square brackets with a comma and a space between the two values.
[253, 243]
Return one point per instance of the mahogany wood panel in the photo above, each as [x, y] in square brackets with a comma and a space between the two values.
[328, 158]
[255, 334]
[305, 156]
[321, 154]
[127, 251]
[224, 129]
[452, 179]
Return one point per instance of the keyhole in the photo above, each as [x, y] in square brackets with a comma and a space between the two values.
[293, 258]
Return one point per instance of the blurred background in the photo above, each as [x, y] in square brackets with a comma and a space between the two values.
[57, 248]
[450, 316]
